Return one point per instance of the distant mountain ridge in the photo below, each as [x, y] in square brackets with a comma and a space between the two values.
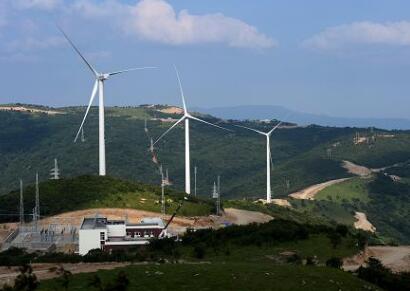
[253, 112]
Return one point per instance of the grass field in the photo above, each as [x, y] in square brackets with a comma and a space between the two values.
[347, 191]
[317, 246]
[222, 276]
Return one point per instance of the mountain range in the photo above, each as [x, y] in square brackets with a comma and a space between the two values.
[261, 112]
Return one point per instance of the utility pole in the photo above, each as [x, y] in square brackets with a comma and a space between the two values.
[21, 203]
[218, 199]
[162, 191]
[82, 134]
[195, 172]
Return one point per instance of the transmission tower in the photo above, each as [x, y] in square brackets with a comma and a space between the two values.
[195, 172]
[55, 172]
[21, 203]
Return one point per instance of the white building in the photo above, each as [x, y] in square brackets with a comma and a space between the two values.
[101, 233]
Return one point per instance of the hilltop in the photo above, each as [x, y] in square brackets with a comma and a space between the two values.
[89, 192]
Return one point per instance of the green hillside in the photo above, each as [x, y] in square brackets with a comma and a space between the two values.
[385, 202]
[31, 141]
[84, 192]
[301, 156]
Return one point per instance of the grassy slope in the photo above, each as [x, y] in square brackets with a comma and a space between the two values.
[85, 192]
[232, 264]
[227, 276]
[347, 191]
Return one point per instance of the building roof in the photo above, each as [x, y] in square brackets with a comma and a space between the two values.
[153, 220]
[102, 222]
[94, 223]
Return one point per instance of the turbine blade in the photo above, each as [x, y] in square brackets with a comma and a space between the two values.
[276, 126]
[181, 90]
[255, 130]
[129, 70]
[169, 129]
[206, 122]
[78, 51]
[88, 108]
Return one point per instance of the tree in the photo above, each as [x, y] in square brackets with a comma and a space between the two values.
[26, 280]
[335, 239]
[64, 277]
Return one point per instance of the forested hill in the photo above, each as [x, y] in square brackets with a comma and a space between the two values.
[301, 156]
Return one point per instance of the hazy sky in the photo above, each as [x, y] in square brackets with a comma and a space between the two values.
[343, 58]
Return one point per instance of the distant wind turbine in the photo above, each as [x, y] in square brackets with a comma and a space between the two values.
[268, 158]
[98, 85]
[186, 117]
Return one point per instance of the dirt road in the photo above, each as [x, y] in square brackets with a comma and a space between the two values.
[310, 192]
[395, 258]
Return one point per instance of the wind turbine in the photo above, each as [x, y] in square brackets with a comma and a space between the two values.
[98, 86]
[186, 117]
[268, 157]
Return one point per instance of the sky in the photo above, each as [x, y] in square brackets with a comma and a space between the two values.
[343, 58]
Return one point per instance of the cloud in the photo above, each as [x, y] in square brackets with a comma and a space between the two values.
[40, 4]
[359, 33]
[157, 21]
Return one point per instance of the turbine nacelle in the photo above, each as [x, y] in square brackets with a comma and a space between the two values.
[103, 77]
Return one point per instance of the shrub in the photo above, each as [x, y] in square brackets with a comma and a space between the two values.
[334, 262]
[199, 251]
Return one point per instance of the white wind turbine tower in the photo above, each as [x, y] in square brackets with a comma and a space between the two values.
[268, 158]
[186, 117]
[98, 85]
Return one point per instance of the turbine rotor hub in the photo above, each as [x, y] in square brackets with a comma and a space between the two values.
[103, 77]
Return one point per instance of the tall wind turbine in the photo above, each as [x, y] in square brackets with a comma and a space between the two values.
[268, 158]
[186, 117]
[98, 86]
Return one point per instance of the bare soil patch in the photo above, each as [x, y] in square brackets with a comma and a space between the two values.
[356, 169]
[363, 223]
[172, 110]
